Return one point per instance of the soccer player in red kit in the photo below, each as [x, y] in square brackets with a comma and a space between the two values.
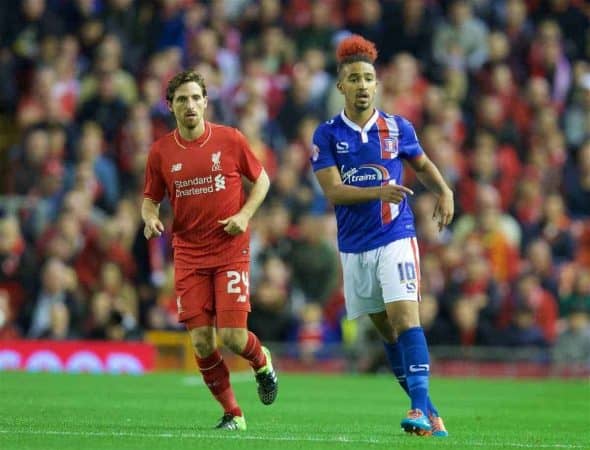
[200, 166]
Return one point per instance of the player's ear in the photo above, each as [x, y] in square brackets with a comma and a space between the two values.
[169, 104]
[339, 86]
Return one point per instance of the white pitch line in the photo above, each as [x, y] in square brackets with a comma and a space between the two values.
[242, 436]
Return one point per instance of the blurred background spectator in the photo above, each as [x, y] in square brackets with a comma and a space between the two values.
[499, 92]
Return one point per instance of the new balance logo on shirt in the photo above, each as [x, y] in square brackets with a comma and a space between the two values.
[176, 167]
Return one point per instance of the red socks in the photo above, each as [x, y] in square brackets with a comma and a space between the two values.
[216, 377]
[253, 352]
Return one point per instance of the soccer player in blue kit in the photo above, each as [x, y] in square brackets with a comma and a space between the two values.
[357, 159]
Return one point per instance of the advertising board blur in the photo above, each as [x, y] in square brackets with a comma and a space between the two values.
[77, 356]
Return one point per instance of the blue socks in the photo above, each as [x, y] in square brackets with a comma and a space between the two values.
[410, 363]
[396, 362]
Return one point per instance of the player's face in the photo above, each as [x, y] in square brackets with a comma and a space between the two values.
[188, 105]
[358, 84]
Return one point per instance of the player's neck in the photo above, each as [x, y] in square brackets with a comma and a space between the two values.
[359, 117]
[191, 134]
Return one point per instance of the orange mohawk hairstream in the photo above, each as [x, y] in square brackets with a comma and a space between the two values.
[356, 48]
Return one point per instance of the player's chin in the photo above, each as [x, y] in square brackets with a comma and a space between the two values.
[190, 122]
[362, 104]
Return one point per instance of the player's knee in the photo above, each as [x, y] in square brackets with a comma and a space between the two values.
[203, 348]
[404, 323]
[203, 342]
[405, 318]
[234, 338]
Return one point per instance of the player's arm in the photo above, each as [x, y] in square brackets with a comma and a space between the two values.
[150, 213]
[341, 194]
[238, 223]
[430, 176]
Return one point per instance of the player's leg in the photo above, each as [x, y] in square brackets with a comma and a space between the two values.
[394, 354]
[391, 346]
[245, 343]
[232, 298]
[195, 309]
[399, 273]
[403, 315]
[215, 373]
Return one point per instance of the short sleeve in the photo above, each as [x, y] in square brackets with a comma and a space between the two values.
[154, 186]
[321, 154]
[248, 164]
[409, 147]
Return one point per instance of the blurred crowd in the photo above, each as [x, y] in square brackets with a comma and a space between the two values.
[499, 93]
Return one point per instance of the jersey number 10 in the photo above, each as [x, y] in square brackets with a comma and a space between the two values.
[407, 275]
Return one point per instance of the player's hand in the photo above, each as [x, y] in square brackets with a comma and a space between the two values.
[394, 193]
[153, 227]
[236, 224]
[444, 209]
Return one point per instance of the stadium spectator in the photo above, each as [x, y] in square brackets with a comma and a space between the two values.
[573, 343]
[436, 329]
[540, 262]
[59, 324]
[577, 182]
[314, 261]
[472, 301]
[414, 22]
[106, 107]
[271, 318]
[498, 233]
[58, 287]
[554, 227]
[529, 298]
[18, 273]
[461, 40]
[576, 122]
[8, 328]
[524, 331]
[578, 294]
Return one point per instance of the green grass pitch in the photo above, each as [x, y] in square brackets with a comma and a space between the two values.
[175, 411]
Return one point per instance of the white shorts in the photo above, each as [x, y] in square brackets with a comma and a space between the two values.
[386, 274]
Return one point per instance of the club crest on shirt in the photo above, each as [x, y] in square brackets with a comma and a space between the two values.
[216, 160]
[176, 167]
[390, 145]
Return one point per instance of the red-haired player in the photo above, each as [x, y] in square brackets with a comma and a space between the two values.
[357, 158]
[200, 167]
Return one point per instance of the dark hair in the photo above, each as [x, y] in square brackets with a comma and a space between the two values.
[355, 48]
[181, 78]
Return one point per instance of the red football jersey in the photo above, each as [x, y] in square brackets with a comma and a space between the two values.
[203, 180]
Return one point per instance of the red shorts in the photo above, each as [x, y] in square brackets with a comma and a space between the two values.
[205, 294]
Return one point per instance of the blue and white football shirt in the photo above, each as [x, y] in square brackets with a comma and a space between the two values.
[368, 157]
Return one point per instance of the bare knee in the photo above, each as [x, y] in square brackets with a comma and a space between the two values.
[203, 340]
[234, 338]
[403, 315]
[384, 326]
